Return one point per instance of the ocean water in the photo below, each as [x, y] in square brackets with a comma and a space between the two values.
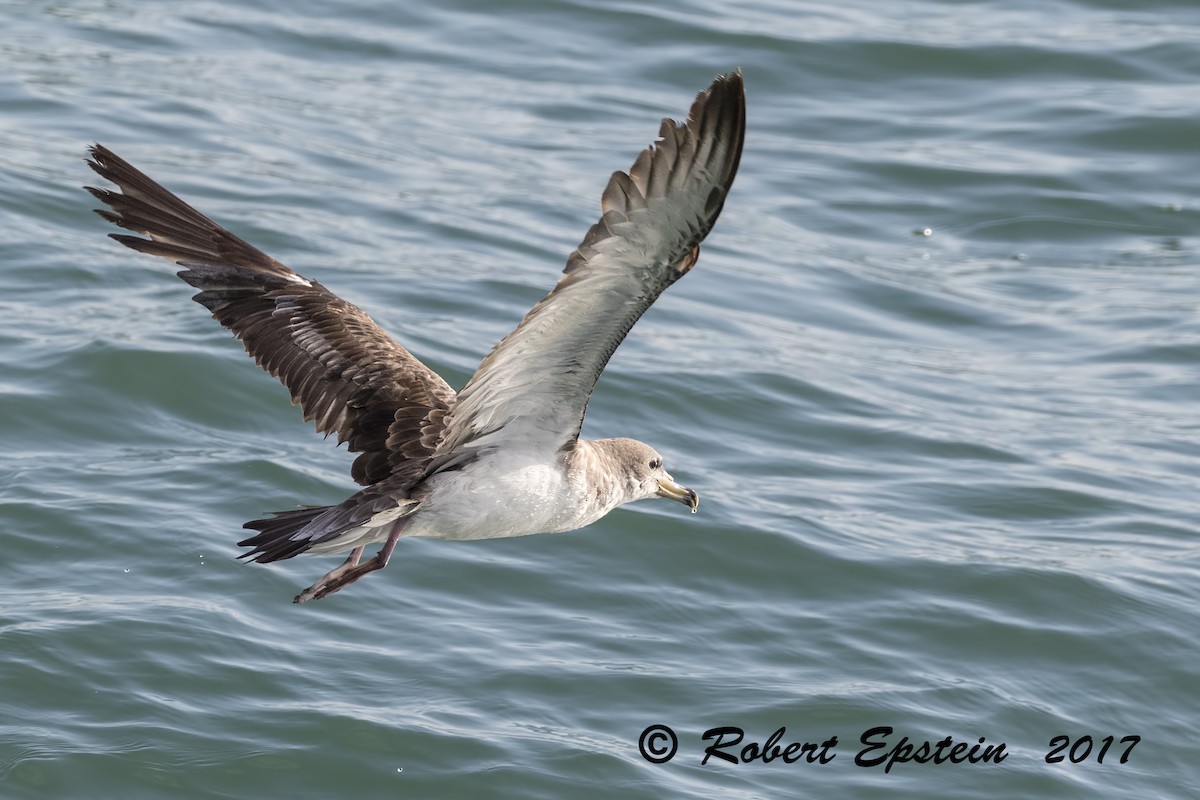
[936, 378]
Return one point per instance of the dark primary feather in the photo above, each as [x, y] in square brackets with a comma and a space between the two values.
[535, 384]
[345, 373]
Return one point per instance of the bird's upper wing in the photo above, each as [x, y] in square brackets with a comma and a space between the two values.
[346, 374]
[534, 386]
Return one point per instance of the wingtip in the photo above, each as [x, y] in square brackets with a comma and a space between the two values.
[723, 107]
[731, 82]
[102, 162]
[726, 91]
[733, 77]
[97, 154]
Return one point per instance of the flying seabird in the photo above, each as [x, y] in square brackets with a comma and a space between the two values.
[503, 456]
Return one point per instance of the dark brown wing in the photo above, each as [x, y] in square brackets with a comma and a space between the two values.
[344, 372]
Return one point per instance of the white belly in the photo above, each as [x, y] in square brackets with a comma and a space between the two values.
[491, 499]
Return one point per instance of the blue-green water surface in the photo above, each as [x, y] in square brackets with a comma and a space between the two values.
[936, 378]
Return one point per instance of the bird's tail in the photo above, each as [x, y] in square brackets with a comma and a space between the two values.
[327, 529]
[276, 538]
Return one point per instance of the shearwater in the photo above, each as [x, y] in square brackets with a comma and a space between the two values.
[503, 456]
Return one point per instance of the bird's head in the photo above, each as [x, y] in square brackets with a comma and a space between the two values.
[645, 475]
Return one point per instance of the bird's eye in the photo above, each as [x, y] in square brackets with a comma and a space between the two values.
[655, 463]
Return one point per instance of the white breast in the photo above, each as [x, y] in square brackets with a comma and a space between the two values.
[497, 496]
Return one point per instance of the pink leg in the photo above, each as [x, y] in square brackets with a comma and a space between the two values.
[350, 570]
